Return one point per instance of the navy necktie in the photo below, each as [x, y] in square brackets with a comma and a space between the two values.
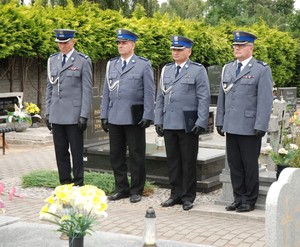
[124, 65]
[64, 60]
[177, 70]
[238, 70]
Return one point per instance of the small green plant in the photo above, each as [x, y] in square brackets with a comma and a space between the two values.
[49, 179]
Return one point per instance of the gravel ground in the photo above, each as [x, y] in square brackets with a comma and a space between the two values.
[159, 195]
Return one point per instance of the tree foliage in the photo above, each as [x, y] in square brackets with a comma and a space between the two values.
[27, 31]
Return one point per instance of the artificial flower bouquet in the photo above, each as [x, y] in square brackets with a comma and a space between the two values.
[75, 209]
[18, 116]
[12, 193]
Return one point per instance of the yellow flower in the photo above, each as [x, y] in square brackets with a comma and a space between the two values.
[74, 209]
[31, 108]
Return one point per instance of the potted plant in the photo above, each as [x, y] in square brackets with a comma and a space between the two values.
[75, 210]
[283, 157]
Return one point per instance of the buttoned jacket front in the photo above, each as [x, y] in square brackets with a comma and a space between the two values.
[71, 96]
[189, 91]
[122, 89]
[247, 105]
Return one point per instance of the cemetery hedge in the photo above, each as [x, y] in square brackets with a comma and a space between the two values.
[27, 31]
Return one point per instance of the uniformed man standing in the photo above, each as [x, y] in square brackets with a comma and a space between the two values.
[127, 110]
[181, 114]
[243, 112]
[68, 104]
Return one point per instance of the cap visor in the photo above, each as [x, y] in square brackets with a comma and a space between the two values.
[240, 42]
[177, 47]
[123, 40]
[62, 40]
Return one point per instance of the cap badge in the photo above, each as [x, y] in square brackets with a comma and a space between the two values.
[119, 31]
[175, 38]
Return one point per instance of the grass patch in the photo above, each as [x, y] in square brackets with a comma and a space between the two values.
[104, 181]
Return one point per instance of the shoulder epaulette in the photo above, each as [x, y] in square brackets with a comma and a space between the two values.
[53, 54]
[83, 55]
[197, 64]
[169, 64]
[230, 62]
[114, 58]
[143, 58]
[262, 63]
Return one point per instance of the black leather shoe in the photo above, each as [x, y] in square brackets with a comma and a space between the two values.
[233, 206]
[245, 208]
[187, 205]
[118, 196]
[171, 202]
[135, 198]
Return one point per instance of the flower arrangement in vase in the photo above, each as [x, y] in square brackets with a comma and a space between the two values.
[75, 209]
[33, 110]
[19, 118]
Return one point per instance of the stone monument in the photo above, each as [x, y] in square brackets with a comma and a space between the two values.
[282, 210]
[214, 75]
[94, 133]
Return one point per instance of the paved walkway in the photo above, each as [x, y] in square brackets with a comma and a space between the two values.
[205, 224]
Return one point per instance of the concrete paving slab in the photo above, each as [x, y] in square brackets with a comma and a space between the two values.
[37, 235]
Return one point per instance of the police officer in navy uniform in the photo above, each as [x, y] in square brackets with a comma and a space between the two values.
[129, 82]
[184, 87]
[68, 104]
[243, 112]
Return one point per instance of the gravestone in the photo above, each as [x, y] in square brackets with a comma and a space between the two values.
[214, 75]
[7, 103]
[289, 94]
[279, 121]
[282, 210]
[94, 135]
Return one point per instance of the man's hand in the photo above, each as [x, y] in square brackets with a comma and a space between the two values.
[49, 125]
[104, 124]
[259, 133]
[159, 130]
[197, 130]
[220, 131]
[144, 123]
[82, 123]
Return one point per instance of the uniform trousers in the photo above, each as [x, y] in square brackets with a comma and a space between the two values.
[182, 152]
[242, 155]
[133, 137]
[65, 137]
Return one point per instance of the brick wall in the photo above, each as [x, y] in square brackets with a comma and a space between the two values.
[30, 77]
